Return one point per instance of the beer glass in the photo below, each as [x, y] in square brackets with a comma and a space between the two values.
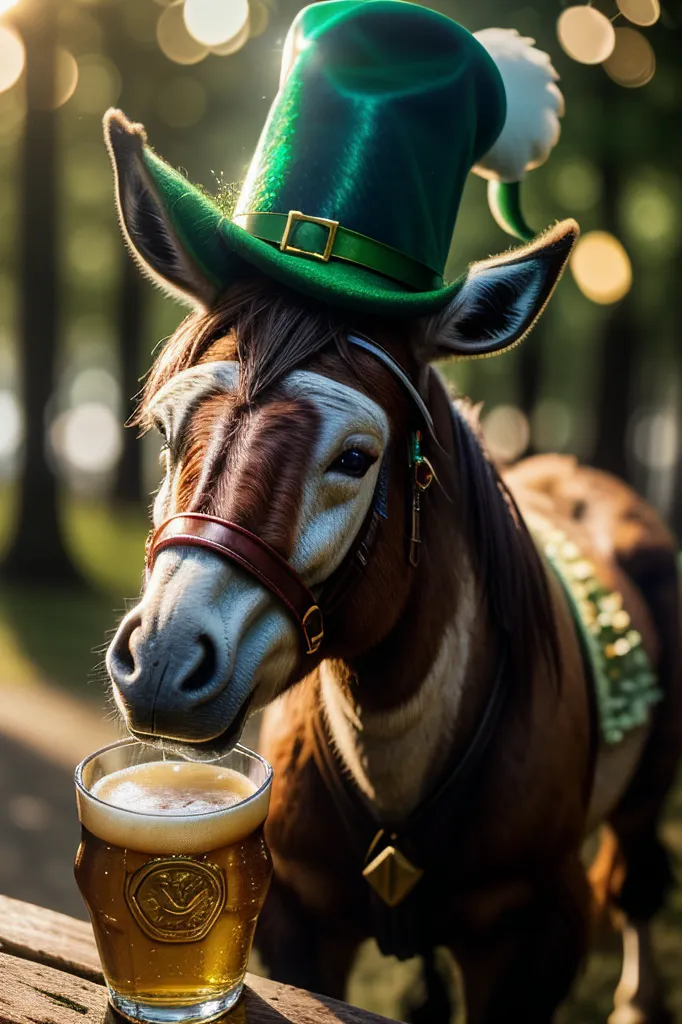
[174, 870]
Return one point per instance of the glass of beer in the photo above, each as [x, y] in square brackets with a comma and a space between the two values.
[174, 870]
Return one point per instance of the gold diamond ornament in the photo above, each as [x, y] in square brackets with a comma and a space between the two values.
[392, 875]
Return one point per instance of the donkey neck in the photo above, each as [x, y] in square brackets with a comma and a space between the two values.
[396, 754]
[399, 715]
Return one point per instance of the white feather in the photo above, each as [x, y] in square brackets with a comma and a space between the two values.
[534, 106]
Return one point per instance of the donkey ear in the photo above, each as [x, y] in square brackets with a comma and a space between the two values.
[153, 240]
[500, 299]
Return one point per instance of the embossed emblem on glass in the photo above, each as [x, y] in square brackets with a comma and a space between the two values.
[176, 899]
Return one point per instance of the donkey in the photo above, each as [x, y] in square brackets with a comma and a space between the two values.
[441, 713]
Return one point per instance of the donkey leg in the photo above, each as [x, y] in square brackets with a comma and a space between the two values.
[527, 967]
[638, 882]
[300, 949]
[640, 886]
[641, 883]
[639, 997]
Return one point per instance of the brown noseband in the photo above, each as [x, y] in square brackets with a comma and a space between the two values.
[249, 552]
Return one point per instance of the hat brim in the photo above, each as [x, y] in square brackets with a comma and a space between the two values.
[336, 282]
[225, 253]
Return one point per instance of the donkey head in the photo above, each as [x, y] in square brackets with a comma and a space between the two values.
[274, 424]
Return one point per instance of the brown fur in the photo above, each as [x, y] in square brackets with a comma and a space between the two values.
[512, 898]
[249, 468]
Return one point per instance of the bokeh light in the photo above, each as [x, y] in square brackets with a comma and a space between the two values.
[174, 40]
[66, 77]
[552, 425]
[87, 438]
[11, 424]
[259, 17]
[640, 12]
[601, 267]
[12, 57]
[182, 102]
[95, 384]
[91, 337]
[577, 184]
[633, 61]
[236, 42]
[99, 84]
[215, 22]
[651, 212]
[85, 33]
[586, 34]
[507, 432]
[655, 439]
[92, 253]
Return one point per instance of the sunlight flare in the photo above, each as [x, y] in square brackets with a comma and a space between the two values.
[215, 22]
[12, 57]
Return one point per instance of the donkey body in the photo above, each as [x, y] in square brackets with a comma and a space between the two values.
[273, 424]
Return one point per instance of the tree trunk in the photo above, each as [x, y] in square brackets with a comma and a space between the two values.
[129, 482]
[38, 552]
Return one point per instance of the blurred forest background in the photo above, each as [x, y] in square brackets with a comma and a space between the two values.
[600, 377]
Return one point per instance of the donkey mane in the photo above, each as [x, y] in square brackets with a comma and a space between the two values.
[270, 331]
[266, 328]
[506, 560]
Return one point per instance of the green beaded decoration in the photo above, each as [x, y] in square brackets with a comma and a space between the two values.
[626, 687]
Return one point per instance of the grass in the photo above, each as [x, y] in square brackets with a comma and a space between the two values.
[56, 635]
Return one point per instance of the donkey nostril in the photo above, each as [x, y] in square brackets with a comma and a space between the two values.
[124, 657]
[205, 670]
[121, 658]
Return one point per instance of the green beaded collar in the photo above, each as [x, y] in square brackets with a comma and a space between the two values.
[625, 685]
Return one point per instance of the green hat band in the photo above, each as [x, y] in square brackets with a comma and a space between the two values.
[325, 239]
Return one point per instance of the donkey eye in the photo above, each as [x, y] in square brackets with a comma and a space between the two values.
[161, 427]
[353, 462]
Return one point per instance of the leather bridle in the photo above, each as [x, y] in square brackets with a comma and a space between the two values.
[268, 567]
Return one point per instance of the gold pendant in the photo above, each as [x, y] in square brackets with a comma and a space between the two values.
[392, 875]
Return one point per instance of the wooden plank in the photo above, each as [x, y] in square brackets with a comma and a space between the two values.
[33, 994]
[48, 938]
[269, 1002]
[52, 949]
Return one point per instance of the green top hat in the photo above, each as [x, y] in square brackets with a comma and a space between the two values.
[353, 192]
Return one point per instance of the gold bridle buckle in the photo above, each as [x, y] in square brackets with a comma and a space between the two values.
[313, 639]
[296, 217]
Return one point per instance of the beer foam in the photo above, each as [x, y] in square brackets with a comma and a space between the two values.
[173, 807]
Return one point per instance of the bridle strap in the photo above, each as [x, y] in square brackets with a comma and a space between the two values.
[390, 363]
[249, 552]
[348, 575]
